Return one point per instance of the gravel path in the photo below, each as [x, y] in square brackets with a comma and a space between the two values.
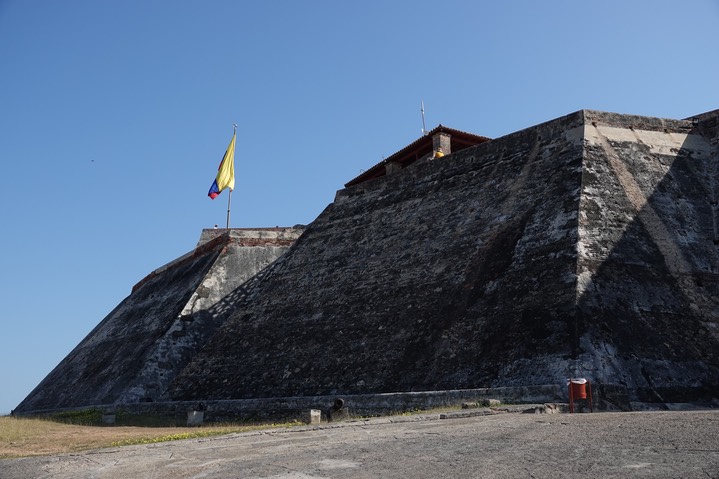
[599, 445]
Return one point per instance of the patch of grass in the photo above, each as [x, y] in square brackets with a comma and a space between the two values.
[204, 432]
[171, 437]
[13, 430]
[86, 417]
[439, 409]
[94, 417]
[21, 436]
[433, 410]
[413, 412]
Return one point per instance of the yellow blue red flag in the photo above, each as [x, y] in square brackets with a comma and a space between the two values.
[226, 172]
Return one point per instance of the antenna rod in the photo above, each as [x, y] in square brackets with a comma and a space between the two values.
[424, 129]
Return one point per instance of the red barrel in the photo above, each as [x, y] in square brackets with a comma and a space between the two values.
[578, 388]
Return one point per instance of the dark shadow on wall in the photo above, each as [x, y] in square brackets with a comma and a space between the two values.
[647, 318]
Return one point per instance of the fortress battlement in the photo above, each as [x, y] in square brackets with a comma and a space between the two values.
[583, 246]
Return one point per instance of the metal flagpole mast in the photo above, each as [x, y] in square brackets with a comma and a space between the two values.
[229, 196]
[229, 200]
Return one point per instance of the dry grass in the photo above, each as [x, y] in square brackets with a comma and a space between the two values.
[74, 431]
[31, 437]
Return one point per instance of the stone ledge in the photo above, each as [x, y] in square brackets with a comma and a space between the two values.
[359, 404]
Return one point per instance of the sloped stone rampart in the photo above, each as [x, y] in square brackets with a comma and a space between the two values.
[133, 354]
[430, 279]
[648, 265]
[587, 246]
[99, 369]
[579, 247]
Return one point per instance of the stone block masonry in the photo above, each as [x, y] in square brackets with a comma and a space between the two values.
[578, 247]
[585, 246]
[436, 278]
[538, 256]
[134, 353]
[359, 405]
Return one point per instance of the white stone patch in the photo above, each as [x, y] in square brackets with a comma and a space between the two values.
[659, 142]
[337, 464]
[584, 283]
[289, 475]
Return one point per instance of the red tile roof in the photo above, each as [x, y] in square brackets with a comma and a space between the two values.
[417, 149]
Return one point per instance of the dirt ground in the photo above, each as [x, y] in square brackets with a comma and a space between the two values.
[599, 445]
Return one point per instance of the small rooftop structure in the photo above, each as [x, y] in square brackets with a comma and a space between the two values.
[448, 140]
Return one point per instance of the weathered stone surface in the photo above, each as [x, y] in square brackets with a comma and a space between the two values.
[648, 286]
[587, 246]
[134, 353]
[582, 246]
[435, 278]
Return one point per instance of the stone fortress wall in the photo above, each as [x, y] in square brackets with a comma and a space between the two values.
[583, 246]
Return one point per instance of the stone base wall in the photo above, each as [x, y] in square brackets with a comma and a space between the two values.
[263, 409]
[605, 397]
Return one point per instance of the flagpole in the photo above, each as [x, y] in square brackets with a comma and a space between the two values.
[229, 196]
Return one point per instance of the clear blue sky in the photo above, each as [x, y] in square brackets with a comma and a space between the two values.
[114, 116]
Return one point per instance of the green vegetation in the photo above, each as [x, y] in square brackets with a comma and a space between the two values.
[85, 417]
[94, 417]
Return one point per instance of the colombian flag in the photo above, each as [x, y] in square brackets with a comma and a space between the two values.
[226, 172]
